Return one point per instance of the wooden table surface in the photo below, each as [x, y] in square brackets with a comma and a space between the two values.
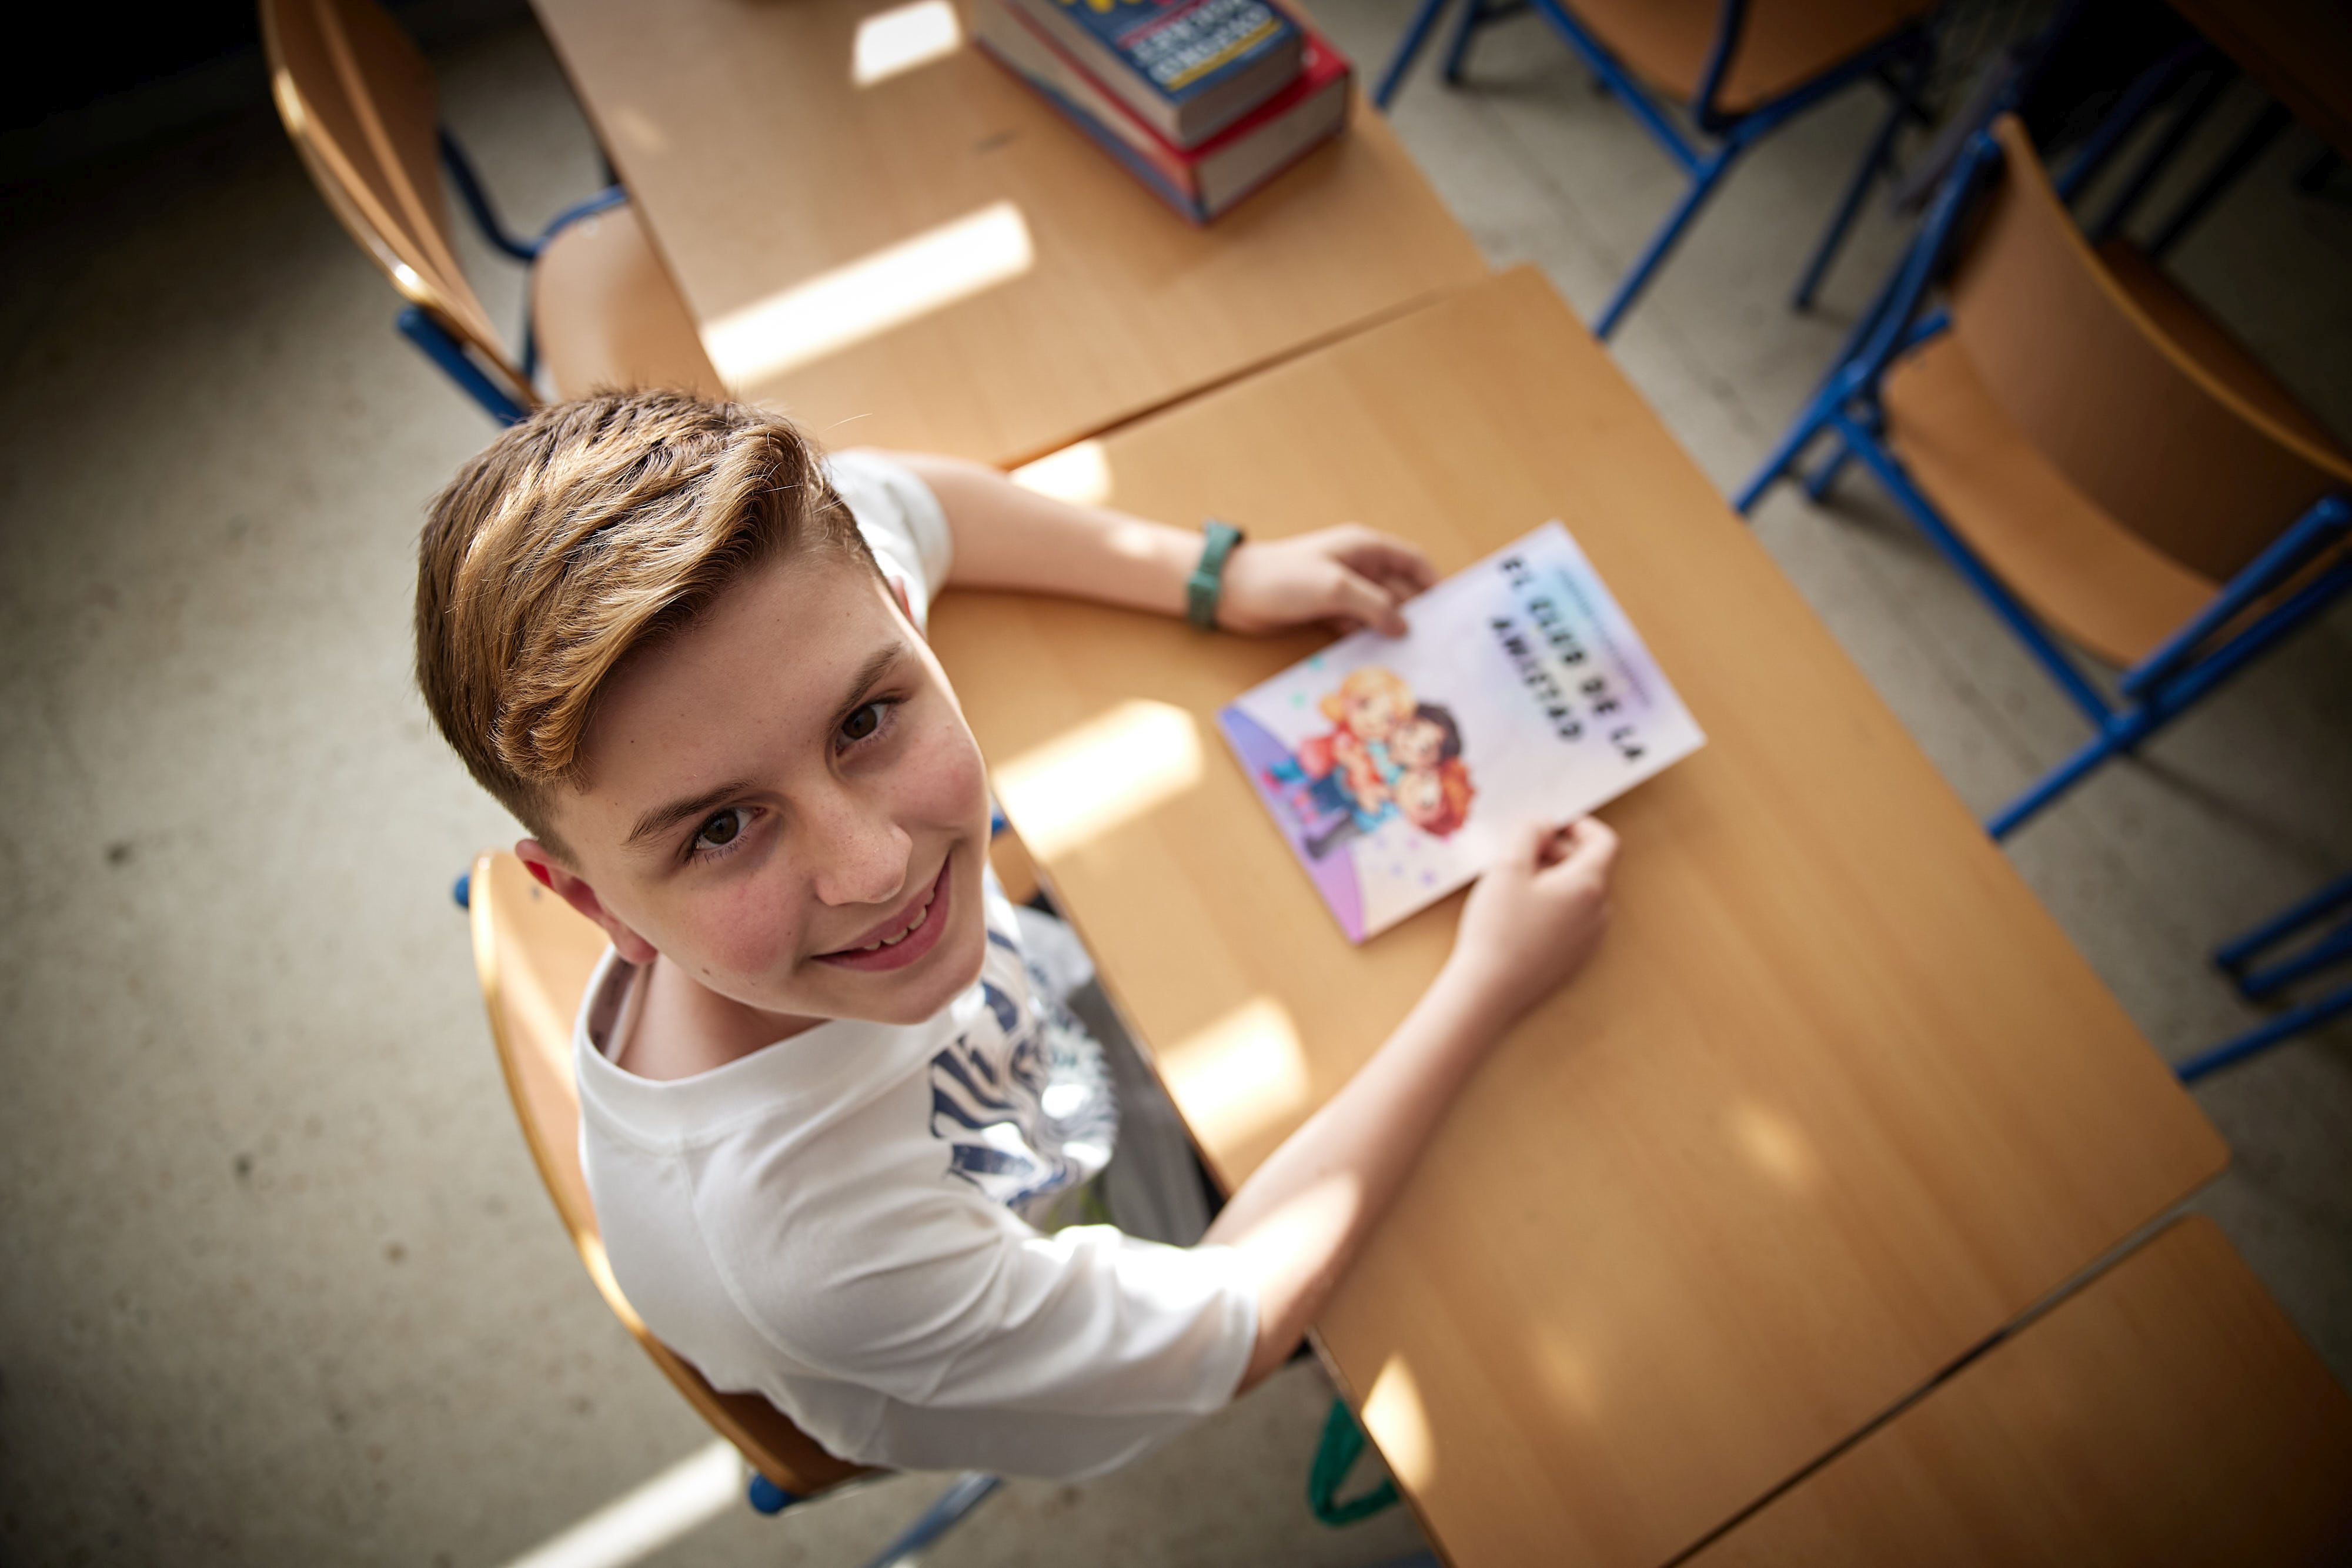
[2164, 1415]
[1836, 1102]
[936, 260]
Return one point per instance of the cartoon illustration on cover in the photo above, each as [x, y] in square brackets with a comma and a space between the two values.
[1396, 767]
[1386, 756]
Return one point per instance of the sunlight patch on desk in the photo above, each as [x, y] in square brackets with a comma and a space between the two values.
[638, 128]
[871, 295]
[1243, 1074]
[1395, 1415]
[633, 1526]
[1567, 1371]
[1775, 1145]
[1079, 475]
[893, 42]
[1105, 773]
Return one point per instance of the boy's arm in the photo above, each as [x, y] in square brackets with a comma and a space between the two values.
[1006, 536]
[1302, 1216]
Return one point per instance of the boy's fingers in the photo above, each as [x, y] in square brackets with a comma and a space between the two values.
[1368, 603]
[1382, 555]
[1590, 845]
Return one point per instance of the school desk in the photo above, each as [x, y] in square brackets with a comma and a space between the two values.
[2166, 1415]
[932, 258]
[1836, 1100]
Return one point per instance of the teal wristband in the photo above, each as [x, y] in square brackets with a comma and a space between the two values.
[1208, 580]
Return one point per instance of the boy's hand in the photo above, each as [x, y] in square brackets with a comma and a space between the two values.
[1350, 574]
[1533, 918]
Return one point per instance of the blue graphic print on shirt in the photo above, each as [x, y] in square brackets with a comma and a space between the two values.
[1021, 1099]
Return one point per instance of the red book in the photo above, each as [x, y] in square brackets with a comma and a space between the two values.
[1199, 181]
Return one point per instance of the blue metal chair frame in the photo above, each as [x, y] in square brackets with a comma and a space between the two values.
[2196, 658]
[442, 347]
[1909, 52]
[2238, 959]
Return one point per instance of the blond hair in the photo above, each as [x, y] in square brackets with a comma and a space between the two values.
[1368, 680]
[581, 534]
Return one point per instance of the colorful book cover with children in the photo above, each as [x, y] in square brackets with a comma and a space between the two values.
[1398, 767]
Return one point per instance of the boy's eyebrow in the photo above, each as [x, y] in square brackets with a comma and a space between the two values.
[658, 822]
[662, 818]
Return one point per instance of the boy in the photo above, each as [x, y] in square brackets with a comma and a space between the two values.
[823, 1094]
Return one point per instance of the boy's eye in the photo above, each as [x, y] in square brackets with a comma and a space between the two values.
[722, 828]
[863, 722]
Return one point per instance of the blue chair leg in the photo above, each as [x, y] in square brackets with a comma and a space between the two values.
[1474, 16]
[967, 1492]
[1792, 446]
[1704, 180]
[2056, 782]
[2235, 958]
[2285, 1026]
[1408, 50]
[1876, 158]
[766, 1496]
[1818, 483]
[444, 350]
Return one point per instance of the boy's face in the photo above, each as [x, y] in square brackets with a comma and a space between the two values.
[784, 802]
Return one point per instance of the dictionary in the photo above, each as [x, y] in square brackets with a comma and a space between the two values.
[1398, 768]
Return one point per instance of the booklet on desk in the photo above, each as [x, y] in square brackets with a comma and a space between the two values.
[1398, 768]
[1198, 182]
[1187, 67]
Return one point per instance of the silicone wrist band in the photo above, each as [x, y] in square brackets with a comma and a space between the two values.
[1208, 580]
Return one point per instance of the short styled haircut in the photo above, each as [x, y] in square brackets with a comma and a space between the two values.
[581, 534]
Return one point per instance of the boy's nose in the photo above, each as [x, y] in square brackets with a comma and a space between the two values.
[862, 859]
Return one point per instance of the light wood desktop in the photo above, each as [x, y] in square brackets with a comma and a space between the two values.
[1838, 1099]
[2166, 1415]
[937, 260]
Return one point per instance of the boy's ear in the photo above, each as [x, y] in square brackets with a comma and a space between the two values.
[906, 605]
[568, 886]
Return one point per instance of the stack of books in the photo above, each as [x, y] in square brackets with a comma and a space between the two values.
[1203, 101]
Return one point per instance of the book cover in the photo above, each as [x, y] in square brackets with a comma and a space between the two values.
[1190, 67]
[1200, 181]
[1396, 768]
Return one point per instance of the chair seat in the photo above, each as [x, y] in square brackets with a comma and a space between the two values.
[1784, 45]
[2083, 572]
[607, 314]
[2196, 334]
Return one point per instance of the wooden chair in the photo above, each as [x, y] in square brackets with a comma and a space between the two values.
[533, 954]
[1740, 70]
[358, 100]
[2098, 458]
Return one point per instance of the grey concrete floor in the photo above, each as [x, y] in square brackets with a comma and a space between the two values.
[281, 1284]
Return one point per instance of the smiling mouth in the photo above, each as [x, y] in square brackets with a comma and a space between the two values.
[904, 937]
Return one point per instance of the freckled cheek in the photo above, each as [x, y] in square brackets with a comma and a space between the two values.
[752, 925]
[941, 783]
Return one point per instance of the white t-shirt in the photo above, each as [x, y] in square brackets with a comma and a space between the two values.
[842, 1221]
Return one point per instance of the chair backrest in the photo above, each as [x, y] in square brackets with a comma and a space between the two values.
[533, 954]
[1781, 44]
[358, 100]
[2202, 464]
